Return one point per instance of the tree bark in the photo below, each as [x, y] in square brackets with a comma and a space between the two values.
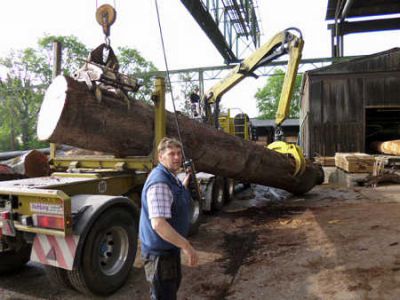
[6, 173]
[31, 164]
[70, 114]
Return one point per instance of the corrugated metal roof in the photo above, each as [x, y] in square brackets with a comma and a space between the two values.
[388, 59]
[362, 8]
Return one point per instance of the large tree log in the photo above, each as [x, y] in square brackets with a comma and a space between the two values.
[12, 154]
[7, 173]
[388, 147]
[32, 163]
[70, 114]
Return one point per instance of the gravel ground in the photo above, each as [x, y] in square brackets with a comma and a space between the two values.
[332, 243]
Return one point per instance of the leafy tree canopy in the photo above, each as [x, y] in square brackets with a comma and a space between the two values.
[27, 74]
[132, 62]
[267, 97]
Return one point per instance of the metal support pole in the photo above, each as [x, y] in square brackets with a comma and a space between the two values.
[201, 92]
[57, 56]
[333, 47]
[337, 38]
[201, 83]
[159, 114]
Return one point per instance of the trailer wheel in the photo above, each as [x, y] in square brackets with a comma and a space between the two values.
[229, 189]
[108, 254]
[11, 261]
[58, 277]
[218, 198]
[196, 213]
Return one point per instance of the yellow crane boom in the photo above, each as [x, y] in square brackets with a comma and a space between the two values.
[284, 42]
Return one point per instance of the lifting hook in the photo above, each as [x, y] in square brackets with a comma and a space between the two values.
[105, 16]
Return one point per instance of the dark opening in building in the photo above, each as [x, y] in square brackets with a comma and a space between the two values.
[381, 124]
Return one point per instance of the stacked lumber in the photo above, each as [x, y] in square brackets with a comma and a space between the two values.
[325, 161]
[70, 114]
[355, 162]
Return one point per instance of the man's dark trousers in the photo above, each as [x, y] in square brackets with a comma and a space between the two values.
[164, 275]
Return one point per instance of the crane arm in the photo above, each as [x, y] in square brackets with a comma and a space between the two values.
[295, 50]
[284, 42]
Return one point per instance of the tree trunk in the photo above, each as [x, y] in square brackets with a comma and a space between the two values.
[388, 147]
[6, 173]
[70, 114]
[31, 164]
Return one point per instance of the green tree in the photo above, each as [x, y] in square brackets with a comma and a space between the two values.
[267, 97]
[131, 62]
[28, 74]
[20, 96]
[74, 53]
[187, 87]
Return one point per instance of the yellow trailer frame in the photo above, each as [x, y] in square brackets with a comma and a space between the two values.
[81, 175]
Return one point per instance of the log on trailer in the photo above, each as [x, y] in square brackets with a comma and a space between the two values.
[71, 114]
[31, 163]
[7, 173]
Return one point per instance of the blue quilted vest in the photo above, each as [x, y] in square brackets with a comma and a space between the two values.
[151, 242]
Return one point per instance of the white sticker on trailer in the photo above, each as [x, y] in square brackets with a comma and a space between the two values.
[47, 208]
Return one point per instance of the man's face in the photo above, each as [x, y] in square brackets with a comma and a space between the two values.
[171, 158]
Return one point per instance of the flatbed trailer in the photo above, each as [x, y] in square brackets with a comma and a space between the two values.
[82, 221]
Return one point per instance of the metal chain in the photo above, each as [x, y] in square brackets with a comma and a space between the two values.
[107, 41]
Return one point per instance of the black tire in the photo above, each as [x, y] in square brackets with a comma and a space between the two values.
[58, 277]
[14, 260]
[218, 190]
[108, 254]
[196, 215]
[229, 189]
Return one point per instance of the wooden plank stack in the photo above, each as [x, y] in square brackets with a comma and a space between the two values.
[325, 161]
[355, 162]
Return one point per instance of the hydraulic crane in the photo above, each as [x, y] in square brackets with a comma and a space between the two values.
[284, 42]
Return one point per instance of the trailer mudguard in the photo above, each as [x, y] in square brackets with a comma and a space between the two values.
[87, 208]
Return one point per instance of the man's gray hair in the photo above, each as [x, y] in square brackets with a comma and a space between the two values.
[167, 142]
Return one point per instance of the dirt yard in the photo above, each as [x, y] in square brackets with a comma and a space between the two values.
[333, 243]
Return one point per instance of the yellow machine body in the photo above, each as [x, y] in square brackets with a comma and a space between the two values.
[292, 150]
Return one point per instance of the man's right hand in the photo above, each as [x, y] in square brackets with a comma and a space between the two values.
[191, 254]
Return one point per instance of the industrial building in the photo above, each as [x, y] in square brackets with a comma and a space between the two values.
[348, 105]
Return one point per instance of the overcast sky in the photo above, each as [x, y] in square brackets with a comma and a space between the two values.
[24, 21]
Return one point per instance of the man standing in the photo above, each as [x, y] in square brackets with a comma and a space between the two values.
[195, 102]
[164, 222]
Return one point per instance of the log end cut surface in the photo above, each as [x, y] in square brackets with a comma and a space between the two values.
[52, 107]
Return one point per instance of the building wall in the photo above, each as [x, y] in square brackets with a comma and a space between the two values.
[334, 103]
